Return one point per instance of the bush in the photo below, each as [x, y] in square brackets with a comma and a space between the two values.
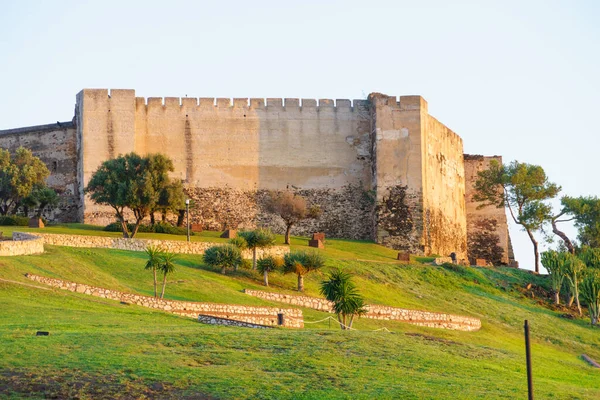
[159, 227]
[14, 220]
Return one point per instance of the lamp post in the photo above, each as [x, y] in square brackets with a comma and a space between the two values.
[187, 213]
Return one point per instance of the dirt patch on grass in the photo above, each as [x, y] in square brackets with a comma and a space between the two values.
[82, 385]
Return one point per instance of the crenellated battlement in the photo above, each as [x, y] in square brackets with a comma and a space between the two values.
[113, 97]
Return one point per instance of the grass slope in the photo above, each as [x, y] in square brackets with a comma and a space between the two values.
[102, 349]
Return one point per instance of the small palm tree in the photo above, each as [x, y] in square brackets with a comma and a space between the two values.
[258, 238]
[555, 263]
[166, 266]
[241, 244]
[268, 264]
[573, 271]
[590, 293]
[154, 257]
[342, 292]
[301, 263]
[226, 256]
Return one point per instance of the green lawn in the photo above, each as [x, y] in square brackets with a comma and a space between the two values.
[102, 349]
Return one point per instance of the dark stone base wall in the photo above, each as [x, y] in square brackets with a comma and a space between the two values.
[346, 212]
[400, 220]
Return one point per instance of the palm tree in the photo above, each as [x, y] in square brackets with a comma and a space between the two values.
[167, 266]
[226, 256]
[301, 263]
[241, 244]
[154, 257]
[268, 264]
[258, 238]
[342, 292]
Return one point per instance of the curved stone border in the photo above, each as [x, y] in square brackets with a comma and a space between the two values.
[254, 315]
[415, 317]
[173, 246]
[22, 244]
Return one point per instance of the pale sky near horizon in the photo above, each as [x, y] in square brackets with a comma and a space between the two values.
[513, 78]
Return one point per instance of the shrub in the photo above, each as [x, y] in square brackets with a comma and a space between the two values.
[226, 256]
[14, 220]
[239, 242]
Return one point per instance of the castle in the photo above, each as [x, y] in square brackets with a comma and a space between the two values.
[380, 169]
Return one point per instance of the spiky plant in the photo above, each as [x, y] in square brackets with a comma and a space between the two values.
[154, 254]
[268, 264]
[554, 262]
[342, 292]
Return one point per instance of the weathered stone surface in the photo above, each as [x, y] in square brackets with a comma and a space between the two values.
[481, 262]
[402, 256]
[22, 244]
[442, 260]
[253, 315]
[316, 243]
[319, 236]
[173, 246]
[415, 317]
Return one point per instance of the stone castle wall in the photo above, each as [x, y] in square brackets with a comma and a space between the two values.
[487, 226]
[254, 315]
[173, 246]
[415, 317]
[380, 169]
[56, 146]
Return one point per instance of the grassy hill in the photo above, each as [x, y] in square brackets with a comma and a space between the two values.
[103, 349]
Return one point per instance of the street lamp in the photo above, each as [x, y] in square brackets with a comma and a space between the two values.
[187, 213]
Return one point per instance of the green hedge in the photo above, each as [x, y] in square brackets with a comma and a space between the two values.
[14, 220]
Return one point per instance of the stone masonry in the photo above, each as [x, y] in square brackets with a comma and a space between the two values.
[415, 317]
[382, 168]
[266, 316]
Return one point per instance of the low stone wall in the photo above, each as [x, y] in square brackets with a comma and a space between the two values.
[255, 315]
[173, 246]
[415, 317]
[207, 319]
[22, 244]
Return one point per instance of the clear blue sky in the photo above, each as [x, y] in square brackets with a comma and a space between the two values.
[515, 78]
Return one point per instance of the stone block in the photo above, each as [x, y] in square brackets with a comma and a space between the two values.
[36, 223]
[403, 256]
[319, 236]
[196, 227]
[316, 243]
[229, 234]
[442, 260]
[481, 262]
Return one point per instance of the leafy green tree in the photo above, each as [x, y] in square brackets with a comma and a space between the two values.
[590, 256]
[302, 263]
[166, 266]
[585, 211]
[170, 192]
[342, 292]
[523, 189]
[555, 264]
[225, 256]
[19, 174]
[291, 208]
[268, 264]
[154, 254]
[590, 293]
[131, 181]
[258, 238]
[574, 268]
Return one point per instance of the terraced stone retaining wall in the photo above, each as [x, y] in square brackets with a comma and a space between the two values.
[415, 317]
[22, 244]
[254, 315]
[173, 246]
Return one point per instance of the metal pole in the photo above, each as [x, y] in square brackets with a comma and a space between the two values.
[528, 355]
[187, 213]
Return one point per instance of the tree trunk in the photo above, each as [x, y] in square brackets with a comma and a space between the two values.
[135, 227]
[163, 215]
[162, 293]
[223, 270]
[152, 218]
[266, 277]
[571, 300]
[577, 298]
[300, 283]
[556, 298]
[535, 250]
[124, 228]
[180, 218]
[340, 321]
[288, 229]
[564, 237]
[351, 321]
[155, 281]
[254, 258]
